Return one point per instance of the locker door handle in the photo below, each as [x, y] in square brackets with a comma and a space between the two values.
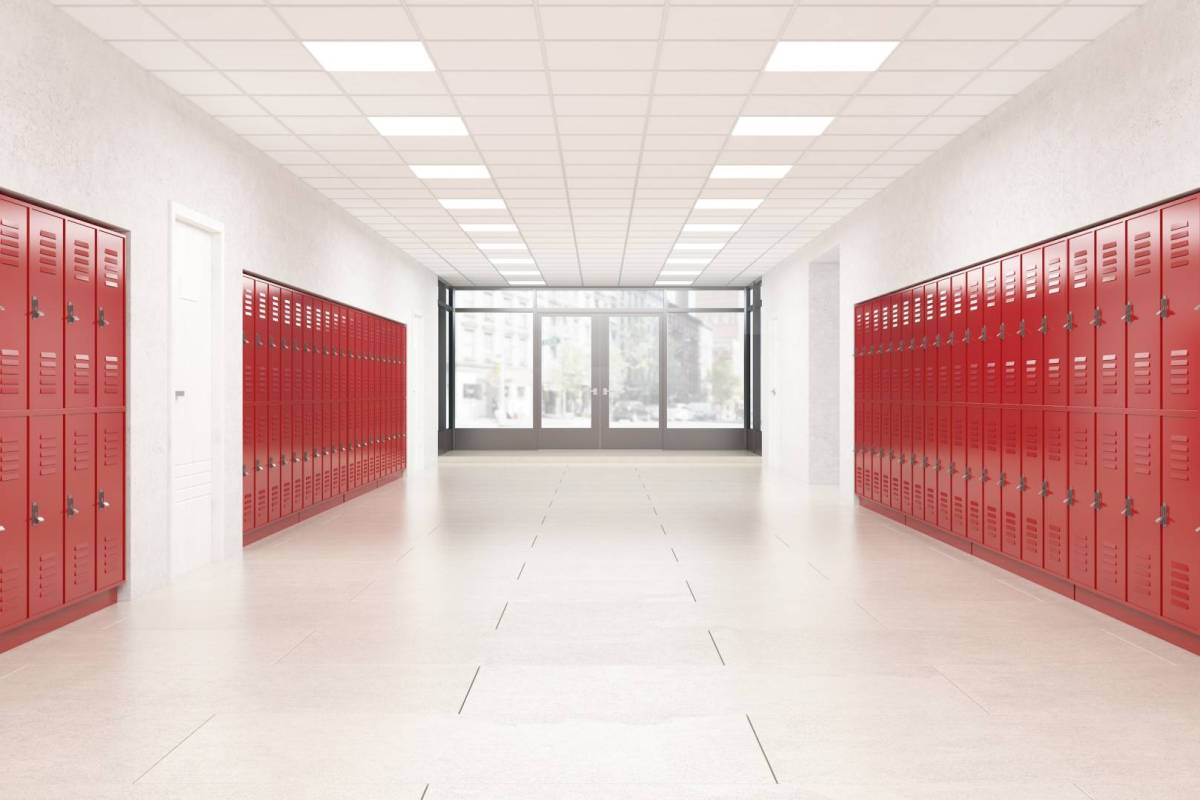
[1044, 328]
[983, 475]
[950, 339]
[924, 342]
[1045, 490]
[925, 463]
[983, 334]
[1096, 501]
[1000, 334]
[1097, 318]
[3, 529]
[1070, 323]
[35, 310]
[101, 503]
[71, 313]
[937, 340]
[1127, 511]
[1021, 485]
[1069, 500]
[1127, 316]
[245, 470]
[71, 509]
[967, 474]
[100, 320]
[270, 462]
[258, 467]
[34, 517]
[967, 336]
[1164, 308]
[1021, 329]
[1164, 516]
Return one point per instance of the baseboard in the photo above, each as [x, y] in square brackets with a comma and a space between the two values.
[263, 531]
[53, 620]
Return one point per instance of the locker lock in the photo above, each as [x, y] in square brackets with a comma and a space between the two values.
[983, 334]
[270, 462]
[101, 503]
[1021, 484]
[1127, 316]
[1044, 328]
[100, 320]
[71, 313]
[295, 458]
[1021, 329]
[258, 467]
[924, 342]
[912, 344]
[1127, 511]
[937, 340]
[1045, 490]
[35, 310]
[1070, 323]
[1002, 481]
[1095, 501]
[71, 509]
[1097, 318]
[1069, 500]
[950, 339]
[304, 456]
[967, 336]
[34, 517]
[1164, 516]
[903, 460]
[1164, 308]
[966, 473]
[1000, 333]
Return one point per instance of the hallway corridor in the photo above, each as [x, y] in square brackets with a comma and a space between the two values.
[565, 625]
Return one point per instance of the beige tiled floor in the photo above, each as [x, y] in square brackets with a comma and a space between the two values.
[600, 626]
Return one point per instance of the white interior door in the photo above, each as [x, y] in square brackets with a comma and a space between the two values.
[193, 259]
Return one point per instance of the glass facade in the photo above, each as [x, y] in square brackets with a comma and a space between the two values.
[493, 370]
[566, 371]
[633, 371]
[705, 370]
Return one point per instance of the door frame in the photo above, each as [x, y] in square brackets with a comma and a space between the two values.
[222, 323]
[567, 438]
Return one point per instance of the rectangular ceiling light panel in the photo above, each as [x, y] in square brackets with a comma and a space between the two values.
[728, 203]
[829, 56]
[749, 171]
[489, 227]
[436, 172]
[711, 227]
[419, 126]
[472, 204]
[371, 56]
[781, 126]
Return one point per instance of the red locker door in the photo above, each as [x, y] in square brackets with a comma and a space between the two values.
[306, 370]
[309, 455]
[1056, 312]
[1181, 544]
[903, 334]
[859, 361]
[14, 476]
[14, 260]
[971, 472]
[262, 337]
[945, 424]
[1010, 481]
[79, 532]
[894, 349]
[1009, 333]
[1054, 492]
[80, 316]
[1110, 304]
[1083, 318]
[318, 451]
[929, 459]
[954, 343]
[883, 351]
[248, 340]
[403, 397]
[902, 451]
[1143, 333]
[859, 432]
[46, 313]
[1032, 328]
[1181, 299]
[110, 500]
[299, 455]
[870, 369]
[287, 325]
[915, 351]
[1110, 516]
[274, 473]
[247, 466]
[895, 448]
[1082, 501]
[989, 477]
[262, 475]
[957, 469]
[45, 513]
[941, 341]
[1031, 486]
[1143, 531]
[110, 328]
[929, 383]
[972, 343]
[990, 343]
[916, 450]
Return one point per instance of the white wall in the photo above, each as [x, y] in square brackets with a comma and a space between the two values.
[1114, 128]
[84, 128]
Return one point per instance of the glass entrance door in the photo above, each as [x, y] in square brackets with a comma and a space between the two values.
[600, 379]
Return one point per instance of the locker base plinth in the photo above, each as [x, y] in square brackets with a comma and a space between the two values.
[59, 617]
[1155, 626]
[263, 531]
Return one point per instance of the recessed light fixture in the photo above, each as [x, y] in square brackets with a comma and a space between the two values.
[472, 203]
[371, 56]
[699, 245]
[749, 171]
[677, 261]
[489, 227]
[829, 56]
[728, 203]
[501, 245]
[781, 126]
[526, 283]
[679, 273]
[513, 261]
[419, 126]
[711, 227]
[517, 273]
[672, 283]
[436, 172]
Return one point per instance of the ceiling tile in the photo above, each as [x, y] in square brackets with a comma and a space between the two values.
[162, 55]
[601, 22]
[120, 23]
[913, 55]
[480, 22]
[852, 22]
[1084, 23]
[725, 22]
[223, 22]
[257, 55]
[1036, 55]
[978, 22]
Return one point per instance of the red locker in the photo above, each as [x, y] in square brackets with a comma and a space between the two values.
[1057, 323]
[1032, 487]
[1010, 482]
[895, 448]
[860, 385]
[1056, 552]
[1083, 320]
[1181, 544]
[110, 327]
[929, 353]
[79, 527]
[1113, 509]
[1032, 327]
[46, 313]
[945, 455]
[929, 460]
[1143, 531]
[1009, 333]
[990, 342]
[287, 325]
[248, 340]
[1180, 301]
[262, 339]
[904, 357]
[893, 351]
[1143, 287]
[299, 455]
[45, 513]
[247, 466]
[14, 476]
[989, 477]
[956, 470]
[262, 475]
[79, 339]
[883, 352]
[972, 342]
[941, 341]
[1081, 500]
[859, 434]
[309, 376]
[916, 351]
[902, 453]
[1111, 314]
[971, 472]
[110, 499]
[274, 470]
[955, 342]
[310, 461]
[14, 330]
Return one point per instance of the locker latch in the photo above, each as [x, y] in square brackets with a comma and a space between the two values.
[245, 470]
[903, 460]
[967, 336]
[937, 340]
[34, 517]
[35, 310]
[305, 456]
[950, 339]
[1070, 323]
[1002, 481]
[1045, 490]
[1044, 328]
[1069, 500]
[1095, 501]
[1127, 511]
[270, 462]
[983, 475]
[1097, 318]
[71, 313]
[953, 468]
[1021, 484]
[101, 503]
[71, 509]
[925, 462]
[983, 334]
[100, 320]
[1000, 332]
[912, 343]
[924, 342]
[295, 458]
[1127, 316]
[1164, 308]
[258, 467]
[1164, 516]
[966, 473]
[245, 339]
[1021, 329]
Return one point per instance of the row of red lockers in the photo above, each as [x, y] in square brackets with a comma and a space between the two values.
[323, 400]
[1015, 441]
[1103, 318]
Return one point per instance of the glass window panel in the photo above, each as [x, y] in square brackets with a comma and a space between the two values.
[633, 371]
[706, 298]
[493, 370]
[493, 298]
[705, 364]
[566, 371]
[600, 298]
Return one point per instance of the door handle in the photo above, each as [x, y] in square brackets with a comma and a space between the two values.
[1069, 500]
[604, 391]
[3, 529]
[595, 391]
[35, 310]
[1164, 516]
[100, 320]
[71, 509]
[258, 467]
[245, 471]
[34, 517]
[1044, 328]
[71, 313]
[1127, 316]
[101, 502]
[1164, 308]
[1096, 501]
[1127, 511]
[1070, 323]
